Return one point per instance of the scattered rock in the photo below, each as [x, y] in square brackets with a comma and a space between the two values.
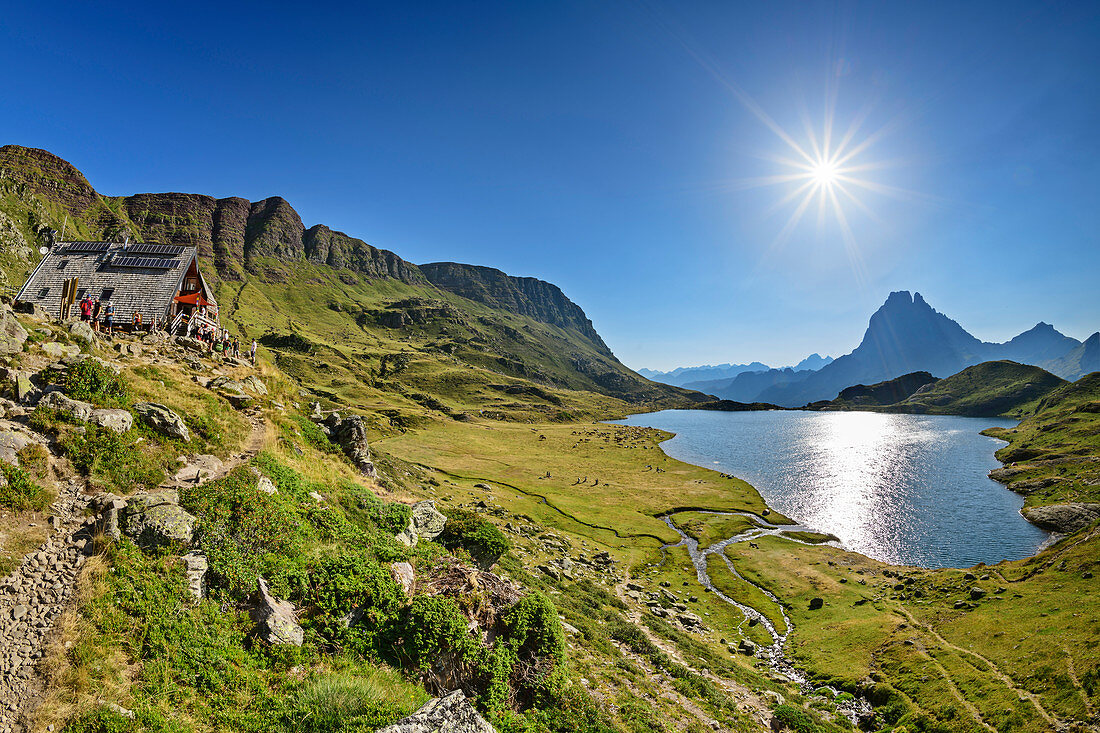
[816, 603]
[976, 593]
[451, 713]
[254, 384]
[196, 573]
[276, 622]
[82, 332]
[231, 390]
[12, 334]
[113, 419]
[747, 648]
[156, 518]
[162, 420]
[75, 409]
[405, 576]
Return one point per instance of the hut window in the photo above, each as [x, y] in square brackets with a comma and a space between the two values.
[43, 292]
[107, 293]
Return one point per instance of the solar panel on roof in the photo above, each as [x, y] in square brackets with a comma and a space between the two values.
[88, 247]
[160, 250]
[155, 262]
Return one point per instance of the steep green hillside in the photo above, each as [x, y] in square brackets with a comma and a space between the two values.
[1053, 456]
[986, 389]
[863, 396]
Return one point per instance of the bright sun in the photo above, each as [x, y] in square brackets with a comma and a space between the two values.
[824, 173]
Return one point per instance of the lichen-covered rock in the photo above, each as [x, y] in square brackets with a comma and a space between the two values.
[58, 351]
[276, 622]
[75, 409]
[12, 334]
[451, 713]
[196, 567]
[25, 391]
[117, 420]
[425, 521]
[1063, 518]
[162, 419]
[82, 332]
[156, 518]
[255, 384]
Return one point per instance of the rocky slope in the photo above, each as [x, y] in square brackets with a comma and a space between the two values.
[1077, 362]
[525, 296]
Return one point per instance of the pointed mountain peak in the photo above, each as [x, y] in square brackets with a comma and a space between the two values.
[918, 300]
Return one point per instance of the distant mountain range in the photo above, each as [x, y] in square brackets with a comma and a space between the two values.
[708, 374]
[907, 335]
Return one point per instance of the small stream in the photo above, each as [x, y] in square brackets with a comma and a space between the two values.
[857, 710]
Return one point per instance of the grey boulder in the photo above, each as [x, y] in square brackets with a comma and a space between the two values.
[12, 333]
[276, 622]
[81, 331]
[451, 713]
[426, 521]
[163, 420]
[156, 518]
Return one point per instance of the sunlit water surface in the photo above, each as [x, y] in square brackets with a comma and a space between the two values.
[906, 489]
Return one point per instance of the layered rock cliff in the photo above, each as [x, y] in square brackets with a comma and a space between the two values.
[526, 296]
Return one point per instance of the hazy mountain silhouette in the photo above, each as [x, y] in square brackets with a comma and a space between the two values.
[1082, 359]
[907, 335]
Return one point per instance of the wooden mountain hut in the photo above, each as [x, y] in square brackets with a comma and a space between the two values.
[159, 281]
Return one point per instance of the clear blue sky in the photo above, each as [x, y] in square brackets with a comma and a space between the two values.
[607, 147]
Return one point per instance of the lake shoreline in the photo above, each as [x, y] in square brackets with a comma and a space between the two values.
[1037, 543]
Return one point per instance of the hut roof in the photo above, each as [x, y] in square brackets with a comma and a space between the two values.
[134, 277]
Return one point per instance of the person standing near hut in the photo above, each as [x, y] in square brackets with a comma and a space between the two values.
[109, 317]
[95, 314]
[86, 308]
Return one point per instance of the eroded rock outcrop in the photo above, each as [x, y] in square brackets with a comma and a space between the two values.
[1063, 518]
[162, 419]
[451, 713]
[350, 433]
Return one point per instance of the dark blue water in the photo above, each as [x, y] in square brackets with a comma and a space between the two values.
[906, 489]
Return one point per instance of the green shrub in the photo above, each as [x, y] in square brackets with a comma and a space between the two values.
[479, 537]
[796, 719]
[349, 582]
[242, 530]
[92, 381]
[20, 491]
[391, 517]
[112, 457]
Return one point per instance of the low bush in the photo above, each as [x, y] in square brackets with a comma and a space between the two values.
[19, 491]
[479, 537]
[111, 458]
[92, 381]
[343, 703]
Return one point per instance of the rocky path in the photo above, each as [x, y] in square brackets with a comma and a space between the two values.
[31, 599]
